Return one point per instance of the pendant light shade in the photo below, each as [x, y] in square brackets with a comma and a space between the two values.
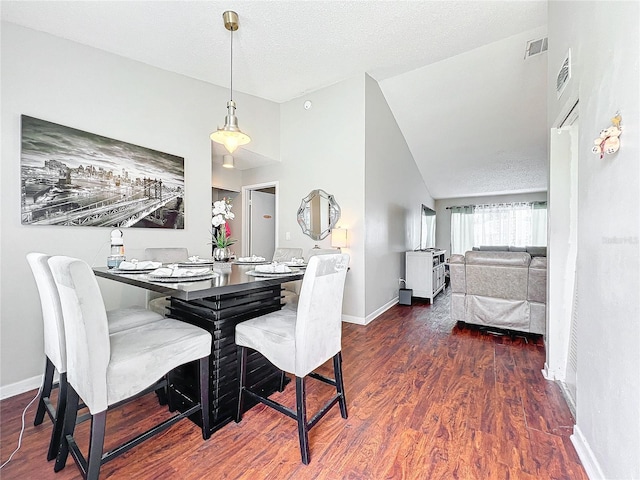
[227, 161]
[230, 135]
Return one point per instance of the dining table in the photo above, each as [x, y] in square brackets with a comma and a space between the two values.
[217, 302]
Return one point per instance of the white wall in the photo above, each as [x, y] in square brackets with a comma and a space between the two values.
[394, 193]
[605, 49]
[443, 216]
[88, 89]
[323, 147]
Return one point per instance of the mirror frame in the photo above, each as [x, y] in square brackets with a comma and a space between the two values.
[334, 214]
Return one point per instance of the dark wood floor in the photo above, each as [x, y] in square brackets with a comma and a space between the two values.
[427, 400]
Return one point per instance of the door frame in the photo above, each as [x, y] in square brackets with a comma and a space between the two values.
[246, 216]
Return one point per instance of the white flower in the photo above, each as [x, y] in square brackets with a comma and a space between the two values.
[221, 212]
[217, 220]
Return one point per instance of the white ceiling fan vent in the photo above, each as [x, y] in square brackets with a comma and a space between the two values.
[536, 47]
[564, 75]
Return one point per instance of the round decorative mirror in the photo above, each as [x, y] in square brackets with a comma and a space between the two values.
[318, 214]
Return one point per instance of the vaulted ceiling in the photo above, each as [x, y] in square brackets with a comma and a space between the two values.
[471, 107]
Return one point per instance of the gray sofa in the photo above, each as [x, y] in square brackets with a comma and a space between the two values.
[500, 289]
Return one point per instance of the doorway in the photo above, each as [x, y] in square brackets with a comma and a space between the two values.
[260, 204]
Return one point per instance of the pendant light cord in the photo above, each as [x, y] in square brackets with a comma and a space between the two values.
[231, 69]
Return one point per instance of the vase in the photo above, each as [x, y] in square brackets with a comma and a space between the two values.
[221, 254]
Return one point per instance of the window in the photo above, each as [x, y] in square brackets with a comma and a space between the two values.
[513, 224]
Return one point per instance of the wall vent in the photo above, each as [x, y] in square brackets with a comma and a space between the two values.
[536, 47]
[564, 75]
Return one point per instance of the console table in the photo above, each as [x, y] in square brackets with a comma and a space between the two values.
[218, 305]
[425, 272]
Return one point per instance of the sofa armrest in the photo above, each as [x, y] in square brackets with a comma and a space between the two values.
[457, 275]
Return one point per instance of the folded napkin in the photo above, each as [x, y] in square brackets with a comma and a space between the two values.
[179, 272]
[197, 259]
[136, 265]
[272, 268]
[296, 261]
[252, 258]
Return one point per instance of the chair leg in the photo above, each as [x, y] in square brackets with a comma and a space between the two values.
[282, 379]
[337, 370]
[242, 377]
[47, 383]
[58, 423]
[204, 396]
[69, 424]
[301, 413]
[96, 444]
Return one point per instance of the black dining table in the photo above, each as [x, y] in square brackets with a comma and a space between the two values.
[217, 305]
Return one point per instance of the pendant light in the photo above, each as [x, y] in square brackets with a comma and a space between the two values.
[230, 135]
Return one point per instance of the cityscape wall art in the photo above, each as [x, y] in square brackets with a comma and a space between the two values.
[72, 177]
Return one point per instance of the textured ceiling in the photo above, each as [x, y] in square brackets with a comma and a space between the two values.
[452, 72]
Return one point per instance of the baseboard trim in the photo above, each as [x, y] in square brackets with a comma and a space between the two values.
[587, 457]
[372, 316]
[22, 386]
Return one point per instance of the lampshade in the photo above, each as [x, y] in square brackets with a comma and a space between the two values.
[339, 238]
[227, 161]
[230, 134]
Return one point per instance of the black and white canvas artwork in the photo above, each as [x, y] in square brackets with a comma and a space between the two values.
[72, 177]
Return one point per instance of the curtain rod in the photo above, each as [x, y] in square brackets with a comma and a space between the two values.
[499, 204]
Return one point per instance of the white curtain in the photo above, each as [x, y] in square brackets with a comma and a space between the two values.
[461, 229]
[539, 224]
[513, 224]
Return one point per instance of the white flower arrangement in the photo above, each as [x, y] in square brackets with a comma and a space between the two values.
[220, 213]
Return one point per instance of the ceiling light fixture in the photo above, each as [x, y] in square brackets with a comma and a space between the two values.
[230, 135]
[227, 161]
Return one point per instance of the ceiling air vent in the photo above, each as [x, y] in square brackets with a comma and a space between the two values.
[536, 47]
[564, 75]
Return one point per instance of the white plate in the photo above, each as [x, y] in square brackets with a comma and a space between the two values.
[139, 270]
[253, 273]
[195, 264]
[191, 278]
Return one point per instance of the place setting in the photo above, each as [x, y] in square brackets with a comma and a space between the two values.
[195, 260]
[174, 274]
[252, 260]
[136, 267]
[272, 270]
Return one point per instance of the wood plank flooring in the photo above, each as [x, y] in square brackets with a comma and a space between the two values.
[427, 399]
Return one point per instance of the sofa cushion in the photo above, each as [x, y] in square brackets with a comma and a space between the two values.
[537, 251]
[505, 259]
[497, 274]
[493, 248]
[517, 249]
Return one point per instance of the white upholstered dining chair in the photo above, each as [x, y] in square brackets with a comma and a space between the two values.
[299, 341]
[108, 369]
[55, 347]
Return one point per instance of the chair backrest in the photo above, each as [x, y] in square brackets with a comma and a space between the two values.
[286, 254]
[54, 344]
[166, 255]
[319, 316]
[86, 330]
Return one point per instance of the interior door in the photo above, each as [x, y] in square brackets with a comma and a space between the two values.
[262, 225]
